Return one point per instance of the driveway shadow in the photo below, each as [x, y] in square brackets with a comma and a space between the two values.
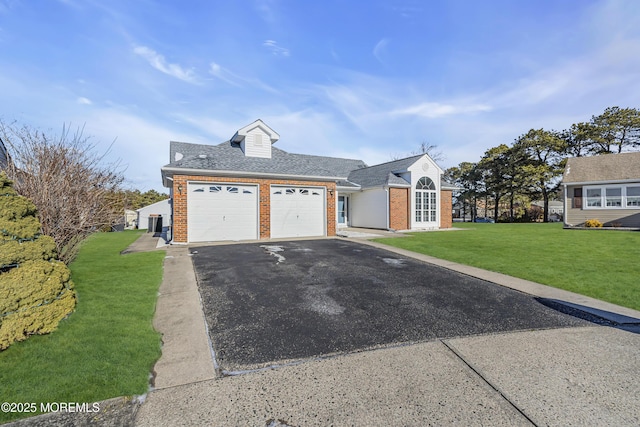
[594, 315]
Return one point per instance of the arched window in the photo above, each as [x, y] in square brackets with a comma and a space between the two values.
[425, 183]
[425, 200]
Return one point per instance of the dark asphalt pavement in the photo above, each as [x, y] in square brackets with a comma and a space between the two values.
[269, 302]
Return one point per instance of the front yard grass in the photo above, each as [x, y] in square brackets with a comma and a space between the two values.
[602, 264]
[107, 347]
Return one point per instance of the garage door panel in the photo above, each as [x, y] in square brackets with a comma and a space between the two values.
[297, 212]
[222, 212]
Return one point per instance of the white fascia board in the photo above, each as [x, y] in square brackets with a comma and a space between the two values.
[186, 171]
[347, 189]
[386, 187]
[613, 181]
[451, 187]
[167, 181]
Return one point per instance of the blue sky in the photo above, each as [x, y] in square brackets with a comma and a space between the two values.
[360, 79]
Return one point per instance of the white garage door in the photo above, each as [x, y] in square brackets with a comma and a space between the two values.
[297, 212]
[222, 212]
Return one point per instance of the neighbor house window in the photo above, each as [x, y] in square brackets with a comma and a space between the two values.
[425, 199]
[594, 197]
[633, 197]
[613, 197]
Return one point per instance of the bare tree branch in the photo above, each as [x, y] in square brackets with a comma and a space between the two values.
[66, 180]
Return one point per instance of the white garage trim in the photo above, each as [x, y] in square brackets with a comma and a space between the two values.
[221, 211]
[298, 211]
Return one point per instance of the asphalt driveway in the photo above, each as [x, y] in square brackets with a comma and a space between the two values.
[268, 303]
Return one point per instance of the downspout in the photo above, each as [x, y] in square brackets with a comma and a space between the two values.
[566, 210]
[388, 207]
[170, 230]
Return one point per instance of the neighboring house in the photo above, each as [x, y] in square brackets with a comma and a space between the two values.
[245, 189]
[556, 209]
[4, 156]
[161, 208]
[604, 187]
[130, 219]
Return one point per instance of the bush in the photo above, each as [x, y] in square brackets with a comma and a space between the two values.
[35, 289]
[592, 223]
[66, 180]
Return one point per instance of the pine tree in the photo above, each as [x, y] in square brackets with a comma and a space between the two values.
[36, 292]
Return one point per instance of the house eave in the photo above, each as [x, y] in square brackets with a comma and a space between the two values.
[168, 172]
[451, 187]
[612, 181]
[397, 186]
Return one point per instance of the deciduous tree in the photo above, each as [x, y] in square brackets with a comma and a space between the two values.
[66, 180]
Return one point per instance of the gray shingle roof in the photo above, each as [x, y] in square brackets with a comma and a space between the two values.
[602, 168]
[229, 157]
[4, 155]
[382, 174]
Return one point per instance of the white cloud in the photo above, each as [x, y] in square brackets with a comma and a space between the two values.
[223, 74]
[380, 48]
[84, 101]
[233, 79]
[275, 49]
[432, 110]
[267, 11]
[140, 144]
[159, 62]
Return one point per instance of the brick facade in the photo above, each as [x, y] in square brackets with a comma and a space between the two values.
[399, 208]
[446, 209]
[264, 200]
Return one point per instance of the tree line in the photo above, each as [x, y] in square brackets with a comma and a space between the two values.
[532, 166]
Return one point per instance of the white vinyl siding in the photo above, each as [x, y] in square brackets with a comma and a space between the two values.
[257, 144]
[297, 211]
[162, 208]
[222, 211]
[369, 209]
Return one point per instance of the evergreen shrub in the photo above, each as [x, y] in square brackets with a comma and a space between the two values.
[36, 291]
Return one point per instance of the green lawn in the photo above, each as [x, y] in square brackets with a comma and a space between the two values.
[107, 347]
[603, 264]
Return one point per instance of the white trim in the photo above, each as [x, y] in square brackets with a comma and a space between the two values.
[603, 198]
[347, 215]
[388, 209]
[243, 174]
[565, 206]
[596, 183]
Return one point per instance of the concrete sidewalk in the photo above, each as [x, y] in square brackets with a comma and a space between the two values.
[573, 376]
